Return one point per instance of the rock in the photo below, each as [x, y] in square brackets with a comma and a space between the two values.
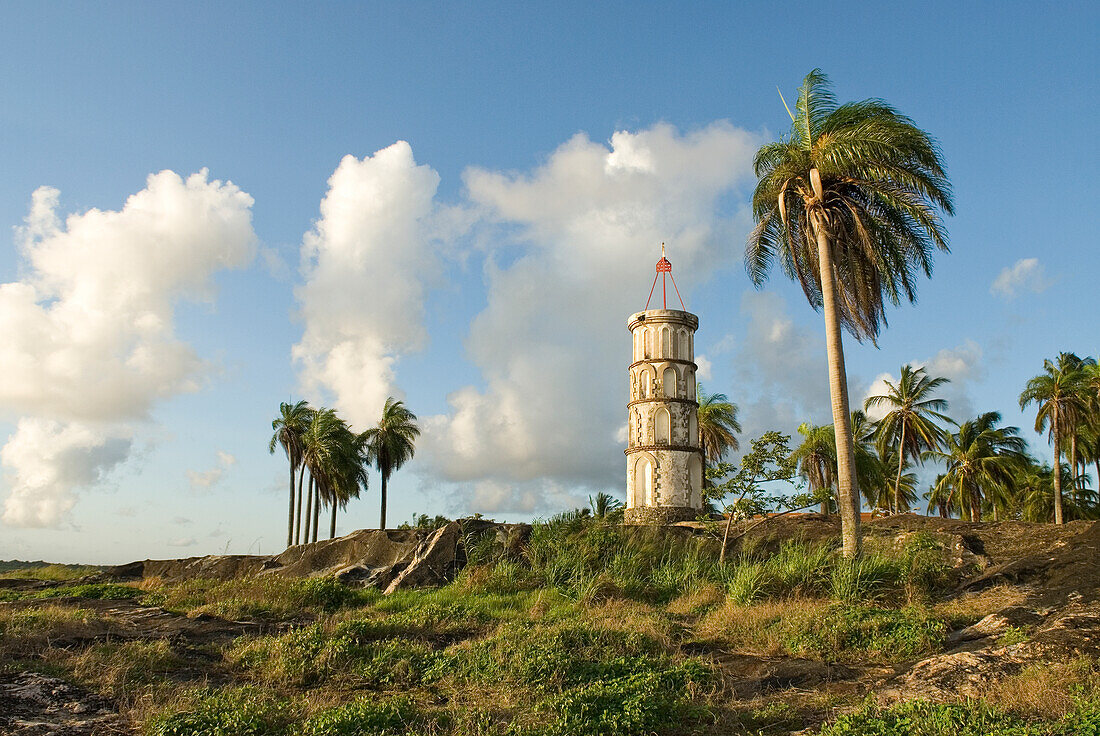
[32, 704]
[364, 576]
[433, 563]
[996, 624]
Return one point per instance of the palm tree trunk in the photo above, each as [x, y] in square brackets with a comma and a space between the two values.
[316, 514]
[290, 511]
[298, 518]
[382, 516]
[847, 489]
[901, 464]
[332, 524]
[309, 509]
[1057, 469]
[1073, 463]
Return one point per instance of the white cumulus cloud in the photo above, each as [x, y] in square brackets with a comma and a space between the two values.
[89, 336]
[48, 461]
[1027, 274]
[364, 265]
[583, 232]
[962, 365]
[207, 478]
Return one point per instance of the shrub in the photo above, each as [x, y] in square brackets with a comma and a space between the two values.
[882, 633]
[363, 718]
[227, 712]
[973, 718]
[635, 704]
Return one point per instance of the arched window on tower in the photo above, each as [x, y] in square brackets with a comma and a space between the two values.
[648, 348]
[643, 482]
[685, 345]
[695, 480]
[666, 342]
[689, 384]
[668, 382]
[662, 427]
[693, 428]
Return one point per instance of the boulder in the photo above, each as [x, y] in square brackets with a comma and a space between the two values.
[433, 563]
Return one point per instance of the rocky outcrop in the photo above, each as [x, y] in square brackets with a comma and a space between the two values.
[434, 563]
[388, 560]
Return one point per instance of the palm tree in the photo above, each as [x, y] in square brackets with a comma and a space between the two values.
[322, 448]
[816, 458]
[910, 420]
[391, 444]
[604, 505]
[718, 425]
[289, 427]
[1060, 396]
[982, 461]
[847, 203]
[885, 494]
[348, 474]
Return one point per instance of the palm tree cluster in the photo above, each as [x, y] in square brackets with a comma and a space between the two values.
[329, 462]
[1067, 396]
[987, 470]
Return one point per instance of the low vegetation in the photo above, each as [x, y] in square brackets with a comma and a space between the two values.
[585, 628]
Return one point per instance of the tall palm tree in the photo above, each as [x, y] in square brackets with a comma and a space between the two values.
[848, 204]
[982, 459]
[289, 427]
[390, 444]
[910, 421]
[718, 425]
[1058, 393]
[322, 448]
[1078, 433]
[348, 472]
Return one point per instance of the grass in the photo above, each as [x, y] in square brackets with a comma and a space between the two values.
[589, 628]
[99, 591]
[972, 718]
[54, 573]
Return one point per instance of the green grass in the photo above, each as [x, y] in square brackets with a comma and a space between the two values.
[973, 718]
[51, 572]
[586, 628]
[101, 591]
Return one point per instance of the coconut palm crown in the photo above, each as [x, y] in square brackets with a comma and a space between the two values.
[983, 461]
[848, 204]
[289, 426]
[391, 444]
[1059, 392]
[910, 422]
[718, 425]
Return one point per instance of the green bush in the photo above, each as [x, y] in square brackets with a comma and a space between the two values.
[631, 705]
[883, 633]
[364, 717]
[973, 718]
[227, 712]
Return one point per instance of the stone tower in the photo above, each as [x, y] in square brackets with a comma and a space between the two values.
[664, 457]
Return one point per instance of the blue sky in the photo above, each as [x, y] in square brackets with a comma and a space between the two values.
[488, 265]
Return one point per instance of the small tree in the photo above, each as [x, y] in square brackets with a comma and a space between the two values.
[768, 462]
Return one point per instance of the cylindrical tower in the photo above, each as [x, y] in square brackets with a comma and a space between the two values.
[664, 457]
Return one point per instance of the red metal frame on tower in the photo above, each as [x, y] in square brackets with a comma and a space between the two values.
[664, 271]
